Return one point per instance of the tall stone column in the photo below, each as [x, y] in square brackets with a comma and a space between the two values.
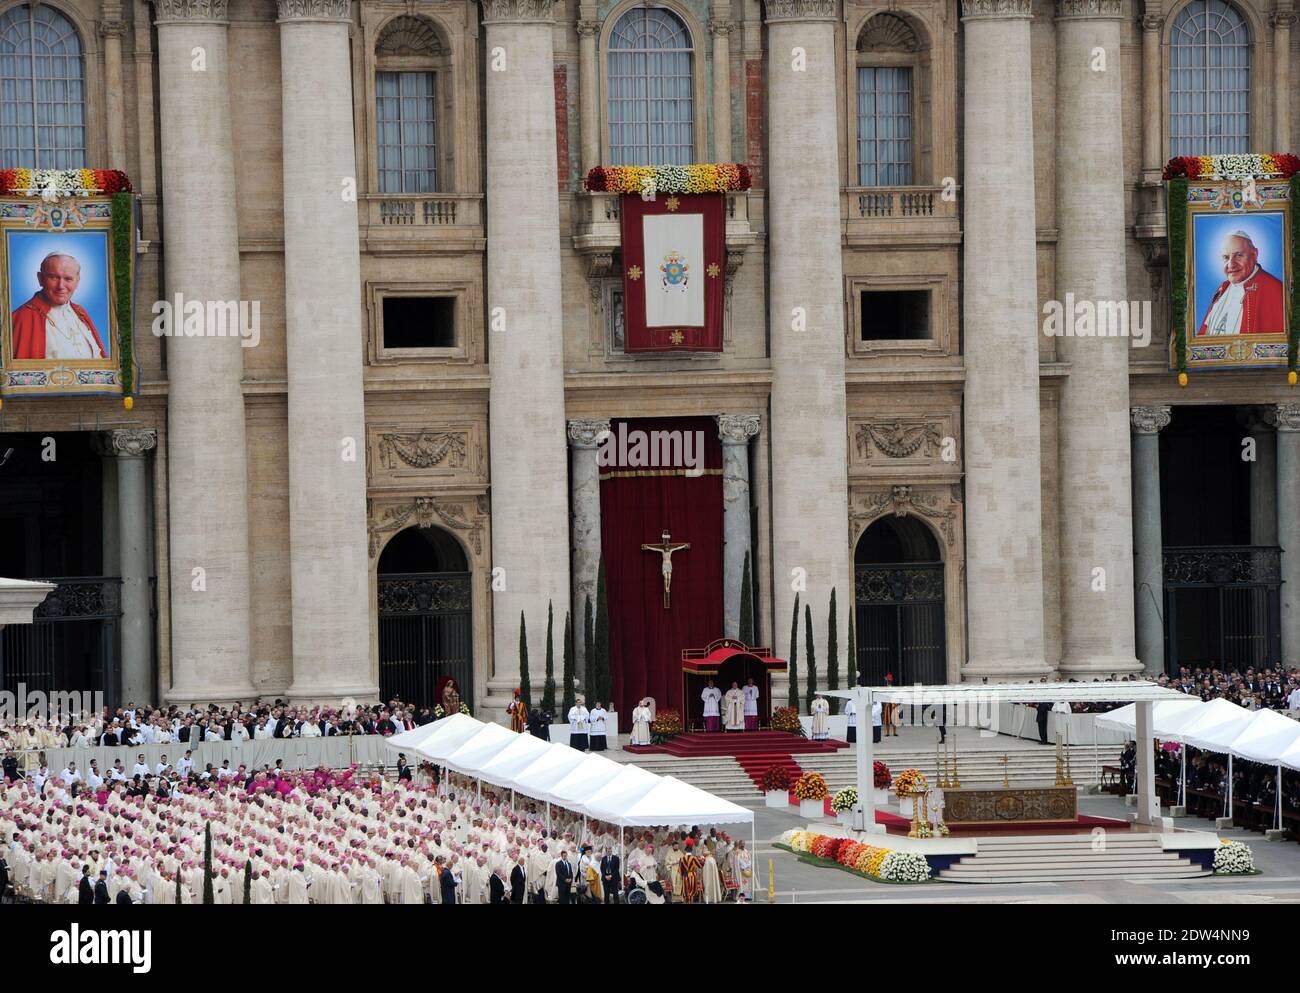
[810, 512]
[585, 437]
[1151, 210]
[1287, 419]
[1148, 543]
[1004, 548]
[588, 89]
[207, 448]
[328, 559]
[1283, 20]
[111, 28]
[530, 505]
[130, 447]
[720, 28]
[1097, 631]
[735, 430]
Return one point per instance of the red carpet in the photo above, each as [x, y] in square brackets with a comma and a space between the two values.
[756, 751]
[895, 824]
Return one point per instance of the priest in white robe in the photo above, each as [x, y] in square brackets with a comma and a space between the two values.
[712, 698]
[821, 725]
[640, 724]
[733, 709]
[751, 694]
[579, 722]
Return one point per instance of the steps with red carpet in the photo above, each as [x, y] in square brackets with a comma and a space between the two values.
[755, 751]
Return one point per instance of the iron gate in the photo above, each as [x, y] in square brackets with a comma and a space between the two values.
[425, 633]
[900, 623]
[72, 644]
[1222, 602]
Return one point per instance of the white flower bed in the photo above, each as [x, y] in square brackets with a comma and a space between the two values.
[845, 799]
[1234, 858]
[905, 867]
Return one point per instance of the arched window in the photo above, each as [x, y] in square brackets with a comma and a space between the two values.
[42, 90]
[890, 67]
[650, 112]
[1209, 80]
[409, 59]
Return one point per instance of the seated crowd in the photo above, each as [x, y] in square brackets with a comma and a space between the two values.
[323, 836]
[1276, 688]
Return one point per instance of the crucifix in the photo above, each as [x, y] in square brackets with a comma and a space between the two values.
[666, 549]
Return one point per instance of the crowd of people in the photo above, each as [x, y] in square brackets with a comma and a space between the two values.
[323, 836]
[1273, 688]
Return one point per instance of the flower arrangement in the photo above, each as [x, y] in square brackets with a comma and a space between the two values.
[881, 864]
[810, 786]
[1234, 858]
[59, 184]
[776, 780]
[1277, 165]
[439, 713]
[700, 178]
[909, 781]
[667, 723]
[787, 719]
[880, 777]
[844, 800]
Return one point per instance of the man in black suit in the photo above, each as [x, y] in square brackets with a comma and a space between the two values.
[101, 889]
[446, 881]
[518, 881]
[4, 876]
[611, 880]
[563, 876]
[496, 888]
[1043, 710]
[10, 766]
[123, 898]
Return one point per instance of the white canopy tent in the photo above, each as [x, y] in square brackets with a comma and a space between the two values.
[582, 782]
[480, 749]
[1265, 739]
[437, 740]
[685, 806]
[1291, 757]
[544, 771]
[1165, 711]
[517, 756]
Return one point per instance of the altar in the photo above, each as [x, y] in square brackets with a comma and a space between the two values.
[1000, 805]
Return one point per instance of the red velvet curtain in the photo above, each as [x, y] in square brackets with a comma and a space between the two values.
[637, 503]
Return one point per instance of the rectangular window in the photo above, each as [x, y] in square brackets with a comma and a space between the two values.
[650, 119]
[406, 126]
[419, 322]
[884, 126]
[895, 315]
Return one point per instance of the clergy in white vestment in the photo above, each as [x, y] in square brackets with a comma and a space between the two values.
[751, 704]
[712, 879]
[579, 721]
[261, 893]
[712, 697]
[641, 724]
[851, 715]
[742, 870]
[821, 725]
[733, 709]
[598, 717]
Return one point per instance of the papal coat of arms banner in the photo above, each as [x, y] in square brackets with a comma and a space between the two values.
[674, 252]
[1232, 256]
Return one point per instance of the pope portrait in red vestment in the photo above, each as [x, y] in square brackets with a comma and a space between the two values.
[50, 325]
[1250, 300]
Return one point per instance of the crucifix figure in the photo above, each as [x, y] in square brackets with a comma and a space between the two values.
[666, 549]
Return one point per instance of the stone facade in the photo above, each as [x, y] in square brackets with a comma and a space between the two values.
[996, 438]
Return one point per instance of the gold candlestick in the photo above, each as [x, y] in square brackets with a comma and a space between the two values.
[1006, 783]
[956, 779]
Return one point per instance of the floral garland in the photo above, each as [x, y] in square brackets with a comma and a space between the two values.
[59, 184]
[880, 777]
[879, 864]
[439, 713]
[1252, 165]
[811, 786]
[703, 178]
[910, 781]
[1234, 858]
[844, 800]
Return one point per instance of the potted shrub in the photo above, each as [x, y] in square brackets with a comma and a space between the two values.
[810, 790]
[667, 724]
[787, 719]
[881, 780]
[843, 803]
[910, 784]
[776, 787]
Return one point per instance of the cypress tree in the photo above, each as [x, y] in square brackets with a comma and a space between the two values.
[812, 658]
[588, 647]
[548, 687]
[832, 656]
[746, 606]
[852, 660]
[567, 675]
[207, 863]
[601, 638]
[248, 881]
[525, 688]
[794, 656]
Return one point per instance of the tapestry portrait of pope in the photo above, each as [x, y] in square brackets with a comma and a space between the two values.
[1232, 269]
[52, 323]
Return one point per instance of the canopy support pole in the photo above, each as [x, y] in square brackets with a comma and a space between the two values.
[1182, 779]
[622, 866]
[1279, 797]
[1148, 805]
[753, 858]
[1229, 812]
[548, 815]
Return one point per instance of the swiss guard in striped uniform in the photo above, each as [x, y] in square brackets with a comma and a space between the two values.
[518, 715]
